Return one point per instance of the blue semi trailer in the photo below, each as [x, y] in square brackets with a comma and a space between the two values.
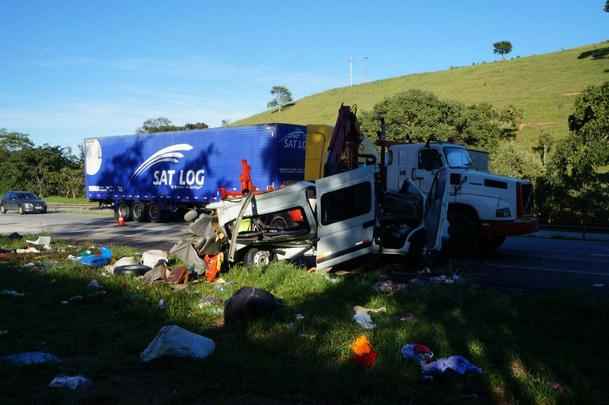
[147, 176]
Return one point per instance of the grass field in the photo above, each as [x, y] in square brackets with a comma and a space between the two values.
[544, 87]
[541, 347]
[56, 199]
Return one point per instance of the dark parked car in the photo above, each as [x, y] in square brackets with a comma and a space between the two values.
[23, 202]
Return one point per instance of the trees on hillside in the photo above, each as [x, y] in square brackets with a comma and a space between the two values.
[162, 124]
[43, 169]
[418, 116]
[281, 97]
[502, 48]
[607, 6]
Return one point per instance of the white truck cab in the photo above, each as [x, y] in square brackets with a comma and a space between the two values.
[483, 207]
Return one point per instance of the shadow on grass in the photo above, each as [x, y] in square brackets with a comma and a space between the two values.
[525, 344]
[599, 53]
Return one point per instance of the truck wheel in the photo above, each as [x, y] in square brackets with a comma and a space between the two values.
[464, 231]
[255, 257]
[124, 210]
[139, 212]
[154, 212]
[491, 245]
[3, 209]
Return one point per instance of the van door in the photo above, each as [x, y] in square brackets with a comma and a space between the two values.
[346, 216]
[436, 211]
[429, 162]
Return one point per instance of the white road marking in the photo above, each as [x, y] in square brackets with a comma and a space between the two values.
[545, 269]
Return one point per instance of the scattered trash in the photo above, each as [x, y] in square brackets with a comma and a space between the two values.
[30, 358]
[213, 265]
[29, 265]
[42, 241]
[3, 332]
[299, 317]
[12, 293]
[30, 249]
[362, 316]
[125, 261]
[134, 270]
[174, 341]
[209, 301]
[73, 383]
[249, 303]
[362, 352]
[388, 287]
[179, 275]
[94, 284]
[458, 364]
[162, 304]
[417, 352]
[598, 285]
[157, 273]
[188, 255]
[442, 279]
[409, 317]
[423, 355]
[151, 258]
[97, 260]
[14, 236]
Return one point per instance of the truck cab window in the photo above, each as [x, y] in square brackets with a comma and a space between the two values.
[430, 159]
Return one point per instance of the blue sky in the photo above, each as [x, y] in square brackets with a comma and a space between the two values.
[75, 69]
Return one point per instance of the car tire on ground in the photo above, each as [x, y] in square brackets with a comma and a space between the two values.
[154, 212]
[140, 212]
[257, 257]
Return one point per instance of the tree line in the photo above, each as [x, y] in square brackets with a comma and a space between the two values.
[45, 170]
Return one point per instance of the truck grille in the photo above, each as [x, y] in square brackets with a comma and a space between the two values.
[524, 196]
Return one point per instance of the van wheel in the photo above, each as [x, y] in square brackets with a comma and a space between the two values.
[256, 258]
[464, 232]
[124, 210]
[139, 212]
[154, 212]
[2, 209]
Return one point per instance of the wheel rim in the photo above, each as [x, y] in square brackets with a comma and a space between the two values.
[261, 258]
[138, 210]
[155, 212]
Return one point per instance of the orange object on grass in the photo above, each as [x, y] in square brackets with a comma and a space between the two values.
[363, 352]
[214, 265]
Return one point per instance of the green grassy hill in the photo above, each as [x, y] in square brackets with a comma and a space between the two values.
[544, 87]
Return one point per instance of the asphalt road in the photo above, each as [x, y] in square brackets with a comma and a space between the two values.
[523, 262]
[99, 228]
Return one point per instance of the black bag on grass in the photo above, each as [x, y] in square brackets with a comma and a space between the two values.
[249, 303]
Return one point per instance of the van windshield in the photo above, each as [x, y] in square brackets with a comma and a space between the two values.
[457, 157]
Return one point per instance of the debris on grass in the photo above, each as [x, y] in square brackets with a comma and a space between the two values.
[424, 356]
[409, 317]
[174, 341]
[12, 293]
[151, 258]
[94, 285]
[14, 236]
[363, 353]
[362, 316]
[30, 359]
[249, 303]
[162, 304]
[28, 250]
[42, 241]
[388, 287]
[73, 383]
[96, 260]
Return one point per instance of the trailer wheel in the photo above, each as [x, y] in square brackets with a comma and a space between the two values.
[124, 210]
[154, 212]
[257, 258]
[139, 212]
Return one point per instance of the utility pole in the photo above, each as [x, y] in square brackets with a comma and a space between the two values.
[350, 71]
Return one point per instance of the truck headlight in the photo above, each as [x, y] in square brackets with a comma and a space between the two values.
[503, 213]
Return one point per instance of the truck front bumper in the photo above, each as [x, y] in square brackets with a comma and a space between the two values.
[520, 226]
